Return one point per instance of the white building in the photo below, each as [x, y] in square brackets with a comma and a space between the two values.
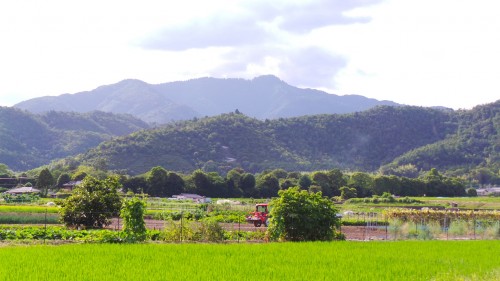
[193, 197]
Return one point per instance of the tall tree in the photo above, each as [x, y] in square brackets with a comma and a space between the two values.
[157, 182]
[247, 185]
[132, 213]
[136, 184]
[305, 182]
[298, 215]
[268, 185]
[92, 203]
[362, 182]
[62, 179]
[391, 184]
[201, 182]
[322, 179]
[233, 180]
[337, 180]
[45, 181]
[5, 171]
[174, 184]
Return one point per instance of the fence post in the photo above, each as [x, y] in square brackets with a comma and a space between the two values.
[45, 234]
[182, 215]
[386, 229]
[447, 226]
[474, 225]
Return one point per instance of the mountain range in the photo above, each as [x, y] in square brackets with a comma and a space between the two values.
[263, 123]
[384, 138]
[264, 97]
[30, 140]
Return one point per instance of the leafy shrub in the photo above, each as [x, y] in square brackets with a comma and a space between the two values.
[210, 230]
[302, 216]
[92, 203]
[22, 198]
[132, 212]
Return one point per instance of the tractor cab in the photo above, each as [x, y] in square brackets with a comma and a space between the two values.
[261, 208]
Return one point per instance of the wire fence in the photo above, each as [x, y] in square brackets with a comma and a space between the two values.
[356, 226]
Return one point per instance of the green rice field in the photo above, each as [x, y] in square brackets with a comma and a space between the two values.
[406, 260]
[27, 209]
[29, 218]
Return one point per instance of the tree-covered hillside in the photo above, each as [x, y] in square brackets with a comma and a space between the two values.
[474, 145]
[358, 141]
[28, 141]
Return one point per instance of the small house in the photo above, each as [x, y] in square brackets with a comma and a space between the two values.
[70, 185]
[193, 197]
[22, 190]
[488, 191]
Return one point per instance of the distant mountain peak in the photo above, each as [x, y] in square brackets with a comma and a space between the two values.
[267, 78]
[263, 97]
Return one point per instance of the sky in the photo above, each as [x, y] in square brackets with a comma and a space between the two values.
[415, 52]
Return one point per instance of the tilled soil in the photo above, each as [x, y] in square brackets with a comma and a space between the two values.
[351, 232]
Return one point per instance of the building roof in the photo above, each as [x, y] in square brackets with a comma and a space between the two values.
[488, 191]
[189, 195]
[21, 190]
[71, 183]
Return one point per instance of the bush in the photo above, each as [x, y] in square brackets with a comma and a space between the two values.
[92, 203]
[132, 212]
[471, 192]
[301, 216]
[211, 231]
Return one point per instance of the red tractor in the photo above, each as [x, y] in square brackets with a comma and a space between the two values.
[260, 216]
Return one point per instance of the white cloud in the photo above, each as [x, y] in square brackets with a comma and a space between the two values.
[424, 53]
[415, 52]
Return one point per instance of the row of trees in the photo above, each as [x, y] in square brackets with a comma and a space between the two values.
[160, 182]
[238, 183]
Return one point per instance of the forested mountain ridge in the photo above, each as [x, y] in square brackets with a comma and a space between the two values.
[262, 97]
[95, 121]
[475, 144]
[358, 141]
[28, 140]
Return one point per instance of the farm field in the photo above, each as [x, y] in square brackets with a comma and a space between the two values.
[409, 260]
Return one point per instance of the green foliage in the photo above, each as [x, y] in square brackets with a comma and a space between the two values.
[384, 200]
[207, 230]
[302, 216]
[132, 213]
[27, 209]
[62, 179]
[348, 192]
[92, 203]
[471, 192]
[5, 171]
[355, 141]
[362, 182]
[305, 182]
[45, 181]
[22, 198]
[474, 143]
[28, 218]
[157, 182]
[210, 230]
[28, 140]
[267, 184]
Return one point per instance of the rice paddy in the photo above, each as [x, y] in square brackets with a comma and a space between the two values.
[27, 209]
[402, 260]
